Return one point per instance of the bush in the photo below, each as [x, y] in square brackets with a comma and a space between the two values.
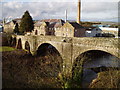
[107, 79]
[6, 39]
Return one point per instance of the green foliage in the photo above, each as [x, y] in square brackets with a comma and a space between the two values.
[77, 74]
[6, 39]
[114, 26]
[27, 24]
[105, 35]
[16, 30]
[22, 70]
[76, 80]
[87, 24]
[2, 49]
[65, 81]
[108, 35]
[112, 80]
[119, 32]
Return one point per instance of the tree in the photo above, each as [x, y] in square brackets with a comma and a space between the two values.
[105, 35]
[119, 31]
[26, 24]
[16, 30]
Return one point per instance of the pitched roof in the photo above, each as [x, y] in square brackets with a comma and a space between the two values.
[90, 28]
[52, 20]
[40, 23]
[51, 23]
[9, 22]
[14, 21]
[76, 25]
[17, 20]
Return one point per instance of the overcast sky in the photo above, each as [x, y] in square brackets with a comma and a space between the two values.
[91, 10]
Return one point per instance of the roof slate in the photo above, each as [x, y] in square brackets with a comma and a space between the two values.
[76, 25]
[51, 23]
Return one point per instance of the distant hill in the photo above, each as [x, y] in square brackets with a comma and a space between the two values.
[0, 20]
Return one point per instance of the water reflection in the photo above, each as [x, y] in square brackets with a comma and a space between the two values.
[105, 61]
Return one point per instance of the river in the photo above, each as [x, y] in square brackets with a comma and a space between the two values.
[106, 61]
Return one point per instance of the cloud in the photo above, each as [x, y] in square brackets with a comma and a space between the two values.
[100, 10]
[42, 10]
[61, 0]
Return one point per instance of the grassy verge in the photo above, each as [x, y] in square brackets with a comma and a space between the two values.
[5, 48]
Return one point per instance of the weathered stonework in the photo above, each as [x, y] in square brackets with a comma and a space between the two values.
[71, 48]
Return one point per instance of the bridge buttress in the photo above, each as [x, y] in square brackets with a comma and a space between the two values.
[33, 45]
[72, 48]
[67, 59]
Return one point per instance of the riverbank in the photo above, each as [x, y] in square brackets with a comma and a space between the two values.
[21, 70]
[6, 48]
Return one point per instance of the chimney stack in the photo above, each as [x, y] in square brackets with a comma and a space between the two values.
[79, 11]
[65, 15]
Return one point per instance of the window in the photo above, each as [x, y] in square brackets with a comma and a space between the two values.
[67, 29]
[36, 32]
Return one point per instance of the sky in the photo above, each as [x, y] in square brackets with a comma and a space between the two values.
[91, 10]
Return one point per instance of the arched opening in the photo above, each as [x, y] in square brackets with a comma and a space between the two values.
[49, 59]
[27, 46]
[36, 32]
[10, 41]
[42, 34]
[19, 45]
[91, 63]
[14, 42]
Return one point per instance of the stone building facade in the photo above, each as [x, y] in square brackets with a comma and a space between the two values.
[70, 29]
[53, 27]
[40, 28]
[9, 27]
[57, 27]
[47, 26]
[92, 31]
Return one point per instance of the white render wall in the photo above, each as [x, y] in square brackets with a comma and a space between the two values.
[109, 29]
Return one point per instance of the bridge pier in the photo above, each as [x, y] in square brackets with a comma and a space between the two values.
[67, 59]
[33, 53]
[70, 48]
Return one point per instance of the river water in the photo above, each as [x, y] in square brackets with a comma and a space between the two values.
[107, 61]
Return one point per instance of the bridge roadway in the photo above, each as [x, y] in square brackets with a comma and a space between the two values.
[71, 47]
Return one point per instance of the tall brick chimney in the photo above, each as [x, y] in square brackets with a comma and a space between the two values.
[79, 11]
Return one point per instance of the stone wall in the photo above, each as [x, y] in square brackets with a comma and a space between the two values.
[71, 48]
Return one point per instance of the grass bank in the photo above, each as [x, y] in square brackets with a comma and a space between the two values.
[6, 48]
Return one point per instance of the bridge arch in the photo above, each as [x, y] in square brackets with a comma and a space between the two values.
[111, 51]
[19, 44]
[58, 47]
[91, 61]
[14, 42]
[47, 45]
[27, 46]
[94, 53]
[48, 51]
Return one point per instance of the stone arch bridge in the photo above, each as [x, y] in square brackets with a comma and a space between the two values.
[71, 47]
